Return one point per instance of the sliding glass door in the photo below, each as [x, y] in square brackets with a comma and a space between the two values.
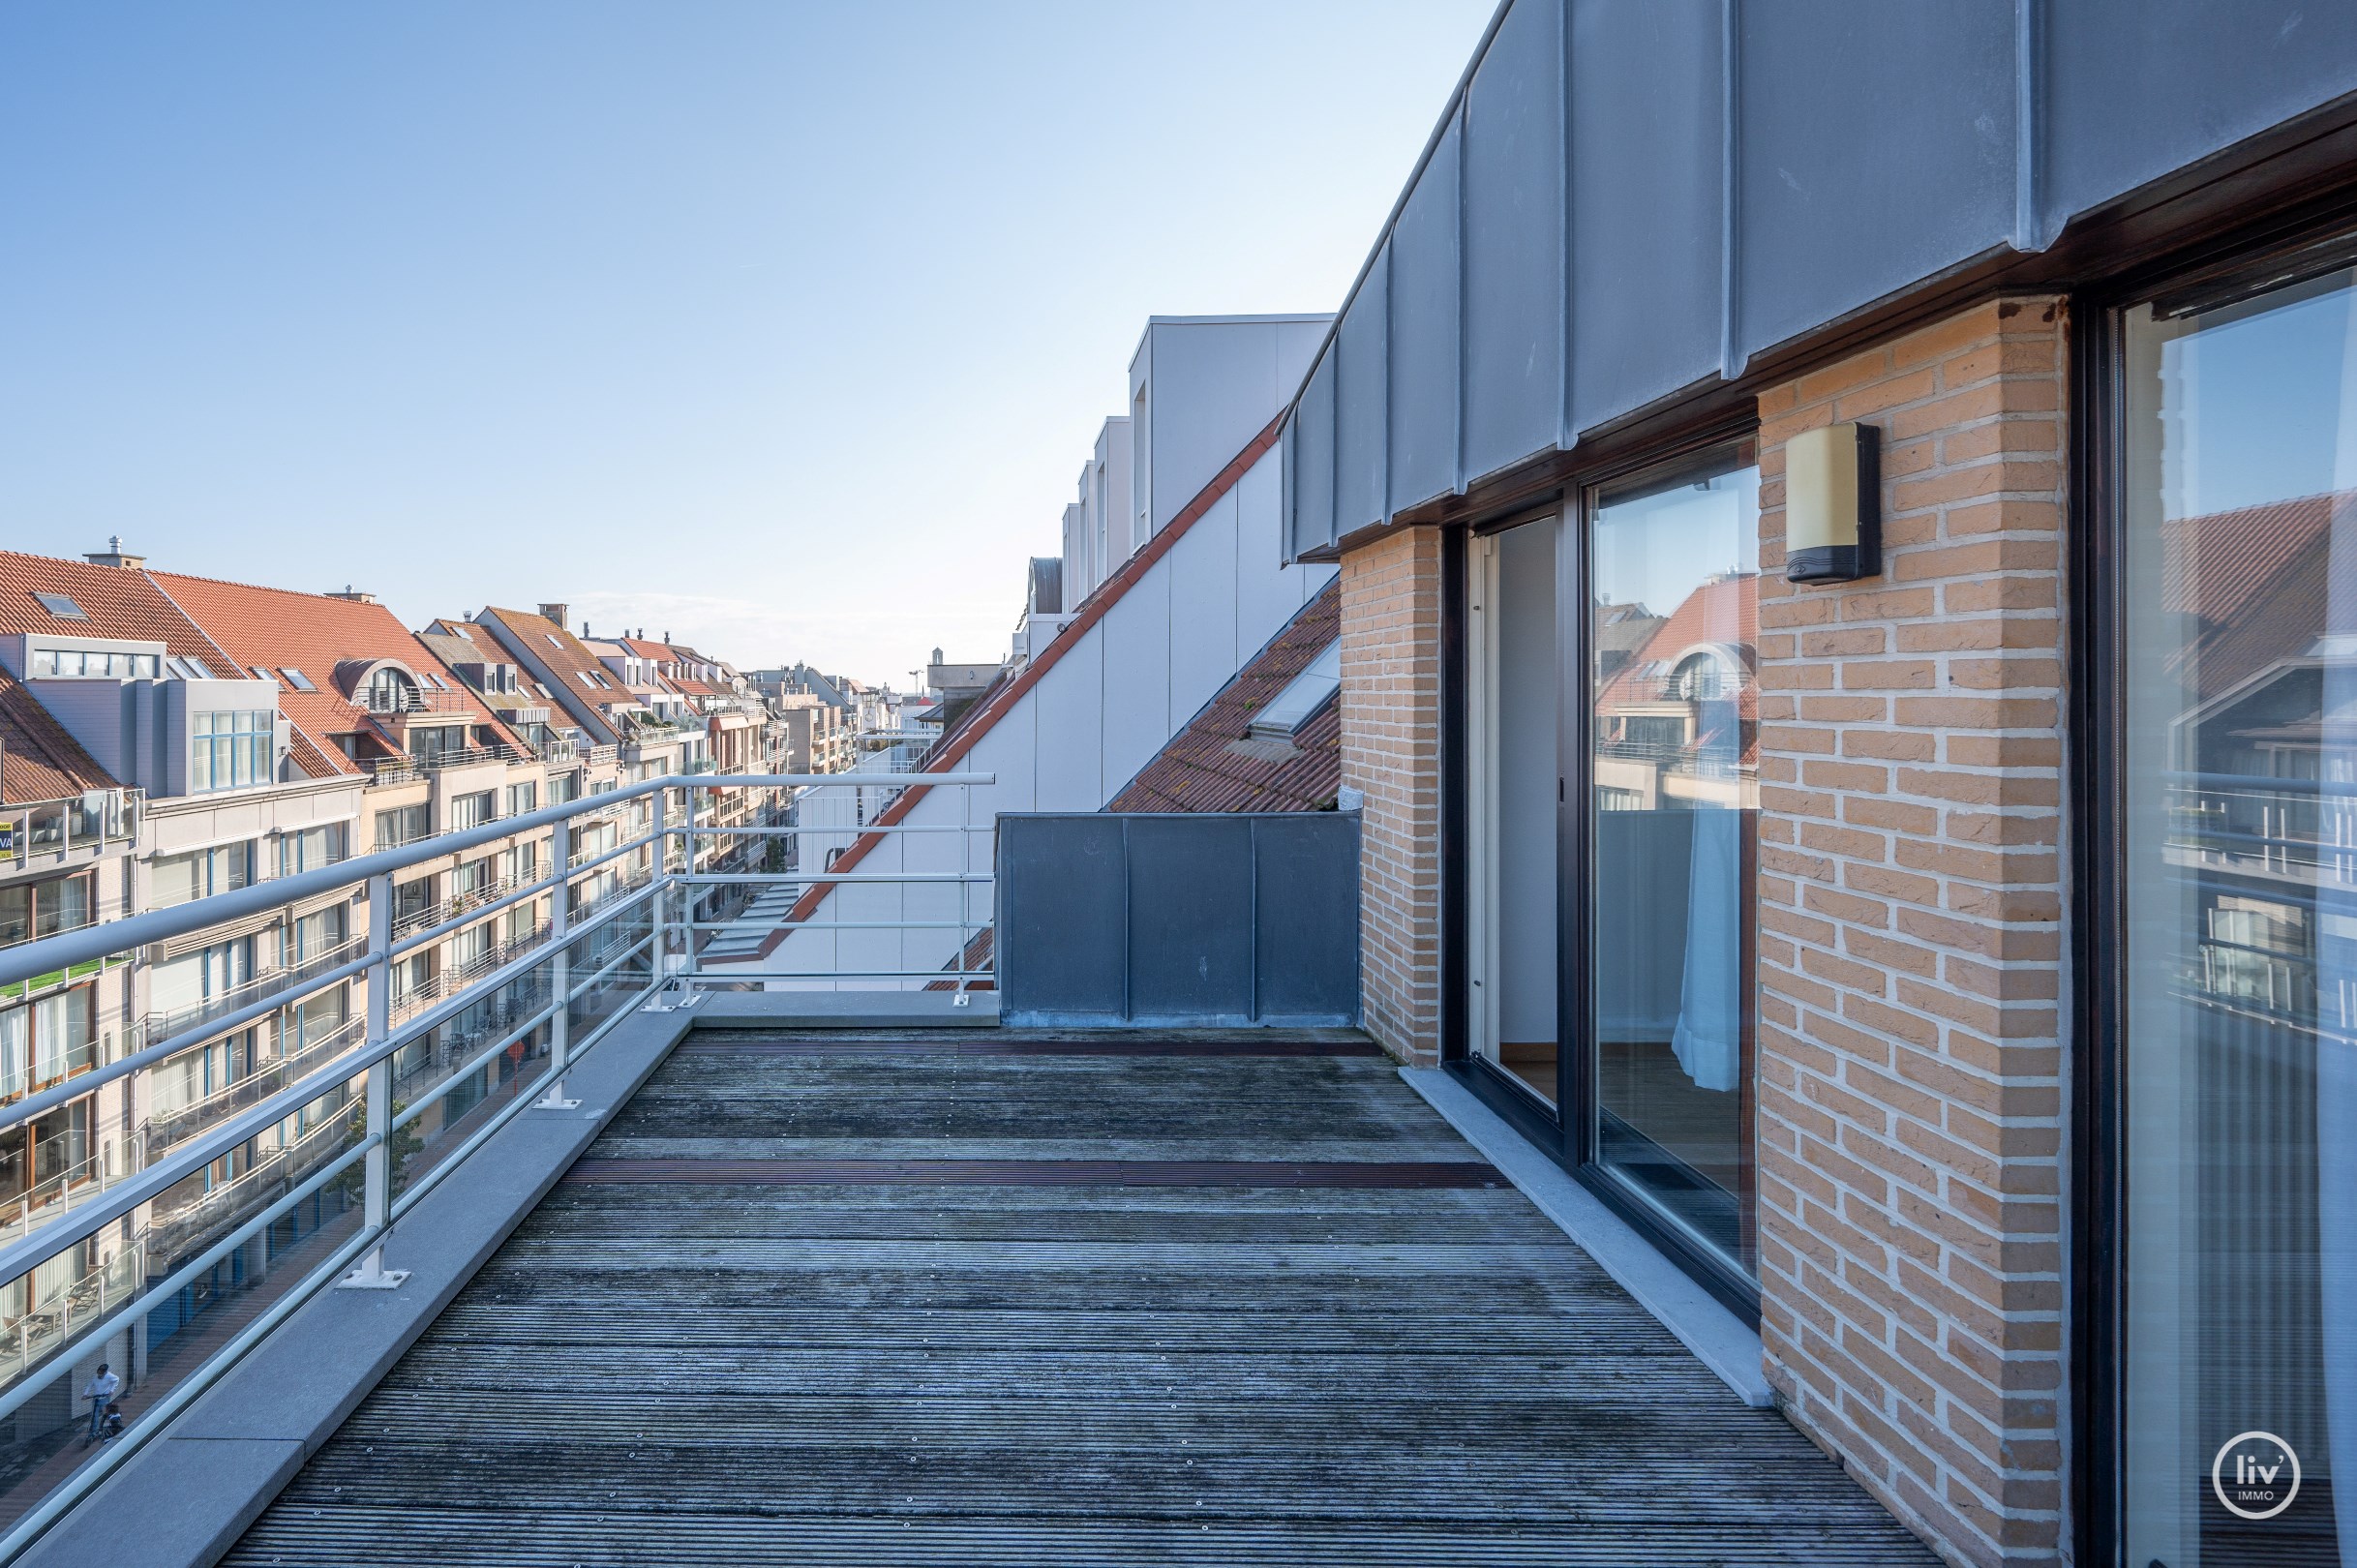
[1672, 730]
[2235, 953]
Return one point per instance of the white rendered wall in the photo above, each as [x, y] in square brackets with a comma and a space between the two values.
[1113, 698]
[1211, 385]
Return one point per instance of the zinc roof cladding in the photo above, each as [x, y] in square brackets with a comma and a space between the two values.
[454, 649]
[283, 628]
[117, 602]
[43, 761]
[565, 654]
[1199, 770]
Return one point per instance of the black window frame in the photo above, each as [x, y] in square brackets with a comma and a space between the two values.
[2212, 269]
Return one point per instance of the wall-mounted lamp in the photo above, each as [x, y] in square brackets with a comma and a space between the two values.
[1833, 504]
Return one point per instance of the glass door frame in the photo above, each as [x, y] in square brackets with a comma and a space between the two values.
[2248, 262]
[1567, 1132]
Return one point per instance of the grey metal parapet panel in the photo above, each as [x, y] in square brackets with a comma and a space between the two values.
[1645, 223]
[1182, 918]
[1513, 219]
[1191, 919]
[1425, 343]
[1300, 926]
[1061, 928]
[1625, 201]
[1893, 165]
[1361, 438]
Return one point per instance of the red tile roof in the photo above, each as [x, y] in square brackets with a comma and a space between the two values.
[1211, 766]
[43, 761]
[279, 629]
[569, 659]
[120, 602]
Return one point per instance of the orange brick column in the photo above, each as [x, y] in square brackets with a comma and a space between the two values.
[1391, 752]
[1910, 1132]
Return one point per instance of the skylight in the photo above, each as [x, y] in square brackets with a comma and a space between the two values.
[297, 679]
[58, 605]
[261, 674]
[1303, 695]
[551, 639]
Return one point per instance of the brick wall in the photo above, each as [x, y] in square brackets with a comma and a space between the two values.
[1391, 750]
[1911, 945]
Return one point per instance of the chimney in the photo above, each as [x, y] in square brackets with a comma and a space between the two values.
[354, 595]
[556, 613]
[113, 554]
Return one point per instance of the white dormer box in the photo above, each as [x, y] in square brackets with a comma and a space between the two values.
[36, 655]
[170, 734]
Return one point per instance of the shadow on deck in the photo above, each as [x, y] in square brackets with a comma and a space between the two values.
[972, 1299]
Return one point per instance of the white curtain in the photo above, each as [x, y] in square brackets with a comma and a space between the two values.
[1708, 1039]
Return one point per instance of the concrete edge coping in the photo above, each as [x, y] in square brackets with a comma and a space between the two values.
[187, 1495]
[1719, 1339]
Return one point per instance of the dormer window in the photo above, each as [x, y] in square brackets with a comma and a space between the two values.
[388, 691]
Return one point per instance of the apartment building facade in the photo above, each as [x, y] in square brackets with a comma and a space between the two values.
[1937, 944]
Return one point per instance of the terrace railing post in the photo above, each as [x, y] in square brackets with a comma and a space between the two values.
[691, 895]
[376, 1165]
[561, 970]
[662, 895]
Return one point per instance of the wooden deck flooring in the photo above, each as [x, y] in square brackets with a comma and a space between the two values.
[1181, 1306]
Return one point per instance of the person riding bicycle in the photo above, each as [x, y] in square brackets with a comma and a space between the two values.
[100, 1393]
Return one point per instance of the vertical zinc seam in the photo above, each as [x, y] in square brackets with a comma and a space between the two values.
[1564, 435]
[1731, 356]
[2029, 125]
[1383, 446]
[1465, 135]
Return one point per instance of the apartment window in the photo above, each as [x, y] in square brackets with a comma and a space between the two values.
[523, 798]
[315, 1018]
[72, 662]
[471, 945]
[316, 935]
[31, 910]
[564, 787]
[229, 751]
[471, 878]
[189, 1077]
[403, 824]
[520, 865]
[43, 1041]
[2224, 972]
[60, 606]
[45, 1149]
[1668, 900]
[311, 848]
[412, 899]
[177, 878]
[196, 983]
[471, 810]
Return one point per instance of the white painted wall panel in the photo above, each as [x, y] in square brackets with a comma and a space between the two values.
[1203, 568]
[1138, 717]
[1069, 761]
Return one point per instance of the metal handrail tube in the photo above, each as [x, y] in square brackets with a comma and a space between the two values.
[27, 959]
[846, 828]
[79, 1225]
[450, 1162]
[143, 1302]
[513, 896]
[765, 878]
[832, 925]
[202, 1376]
[81, 1083]
[749, 972]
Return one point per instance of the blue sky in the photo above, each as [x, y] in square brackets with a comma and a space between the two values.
[784, 327]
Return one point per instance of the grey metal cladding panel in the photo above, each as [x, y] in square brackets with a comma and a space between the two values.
[1514, 241]
[1646, 136]
[2136, 88]
[1059, 946]
[1307, 960]
[1875, 147]
[1361, 389]
[1423, 335]
[1311, 462]
[1190, 916]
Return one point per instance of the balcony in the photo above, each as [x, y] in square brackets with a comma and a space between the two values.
[31, 829]
[383, 700]
[163, 1024]
[976, 1282]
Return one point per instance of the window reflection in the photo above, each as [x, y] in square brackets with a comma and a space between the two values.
[2240, 831]
[1673, 735]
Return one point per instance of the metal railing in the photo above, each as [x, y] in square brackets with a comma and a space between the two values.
[98, 817]
[257, 1161]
